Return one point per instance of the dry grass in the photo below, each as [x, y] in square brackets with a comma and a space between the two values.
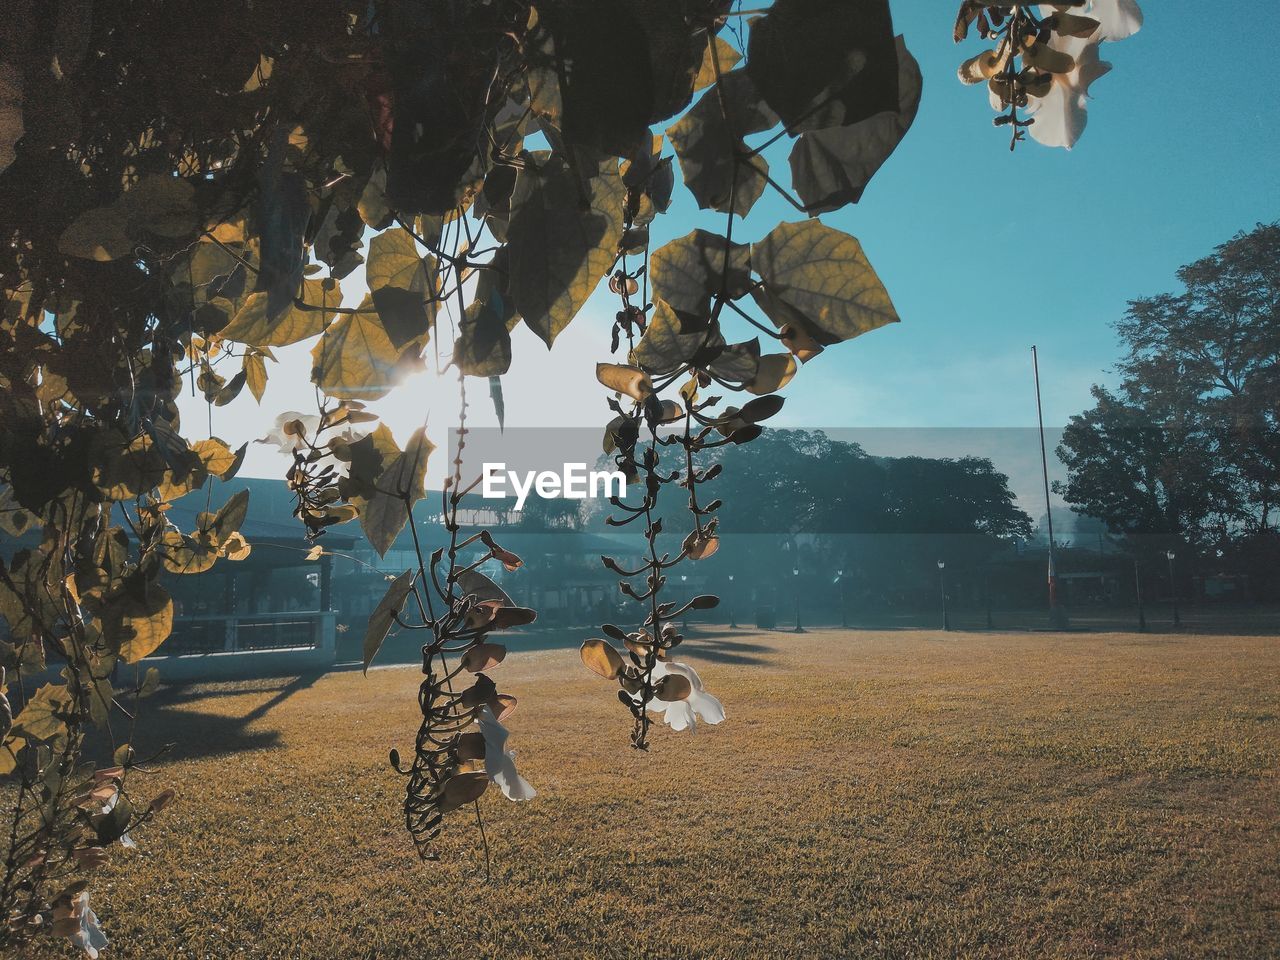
[871, 795]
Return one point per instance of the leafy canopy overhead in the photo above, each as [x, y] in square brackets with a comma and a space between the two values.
[186, 187]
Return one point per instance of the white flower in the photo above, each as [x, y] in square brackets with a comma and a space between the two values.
[1062, 113]
[682, 714]
[1117, 19]
[294, 439]
[499, 762]
[78, 923]
[125, 840]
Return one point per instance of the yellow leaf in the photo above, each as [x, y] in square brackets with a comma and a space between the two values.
[255, 375]
[819, 277]
[727, 57]
[139, 625]
[396, 489]
[559, 250]
[194, 554]
[601, 658]
[253, 325]
[774, 373]
[355, 359]
[384, 615]
[216, 456]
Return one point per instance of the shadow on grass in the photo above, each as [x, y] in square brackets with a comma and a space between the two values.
[185, 734]
[718, 644]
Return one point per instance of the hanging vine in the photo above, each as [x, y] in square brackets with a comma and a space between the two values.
[186, 189]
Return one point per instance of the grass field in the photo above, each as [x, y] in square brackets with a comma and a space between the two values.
[897, 794]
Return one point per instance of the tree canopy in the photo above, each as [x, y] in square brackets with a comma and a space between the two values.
[1187, 448]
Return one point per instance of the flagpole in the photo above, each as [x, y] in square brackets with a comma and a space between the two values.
[1056, 616]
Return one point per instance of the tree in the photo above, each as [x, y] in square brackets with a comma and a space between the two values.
[1188, 448]
[1144, 475]
[185, 187]
[1215, 349]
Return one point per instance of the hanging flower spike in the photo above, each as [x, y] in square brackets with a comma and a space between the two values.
[682, 714]
[1044, 61]
[499, 762]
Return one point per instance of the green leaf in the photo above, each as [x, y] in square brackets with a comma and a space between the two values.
[483, 347]
[97, 234]
[163, 205]
[404, 286]
[738, 362]
[150, 682]
[822, 63]
[157, 205]
[355, 359]
[475, 584]
[372, 206]
[499, 405]
[687, 273]
[819, 276]
[11, 124]
[559, 246]
[230, 516]
[708, 145]
[832, 167]
[603, 70]
[283, 210]
[384, 615]
[115, 822]
[396, 490]
[367, 458]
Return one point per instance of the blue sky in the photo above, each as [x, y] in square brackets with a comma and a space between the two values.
[984, 252]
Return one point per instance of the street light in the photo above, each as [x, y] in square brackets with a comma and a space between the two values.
[844, 606]
[795, 572]
[942, 583]
[684, 578]
[1137, 586]
[1173, 590]
[733, 625]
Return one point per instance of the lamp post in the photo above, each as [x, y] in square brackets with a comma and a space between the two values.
[1173, 590]
[733, 624]
[844, 606]
[684, 578]
[1137, 587]
[986, 589]
[795, 572]
[942, 583]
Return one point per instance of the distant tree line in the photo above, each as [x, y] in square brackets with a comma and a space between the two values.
[800, 500]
